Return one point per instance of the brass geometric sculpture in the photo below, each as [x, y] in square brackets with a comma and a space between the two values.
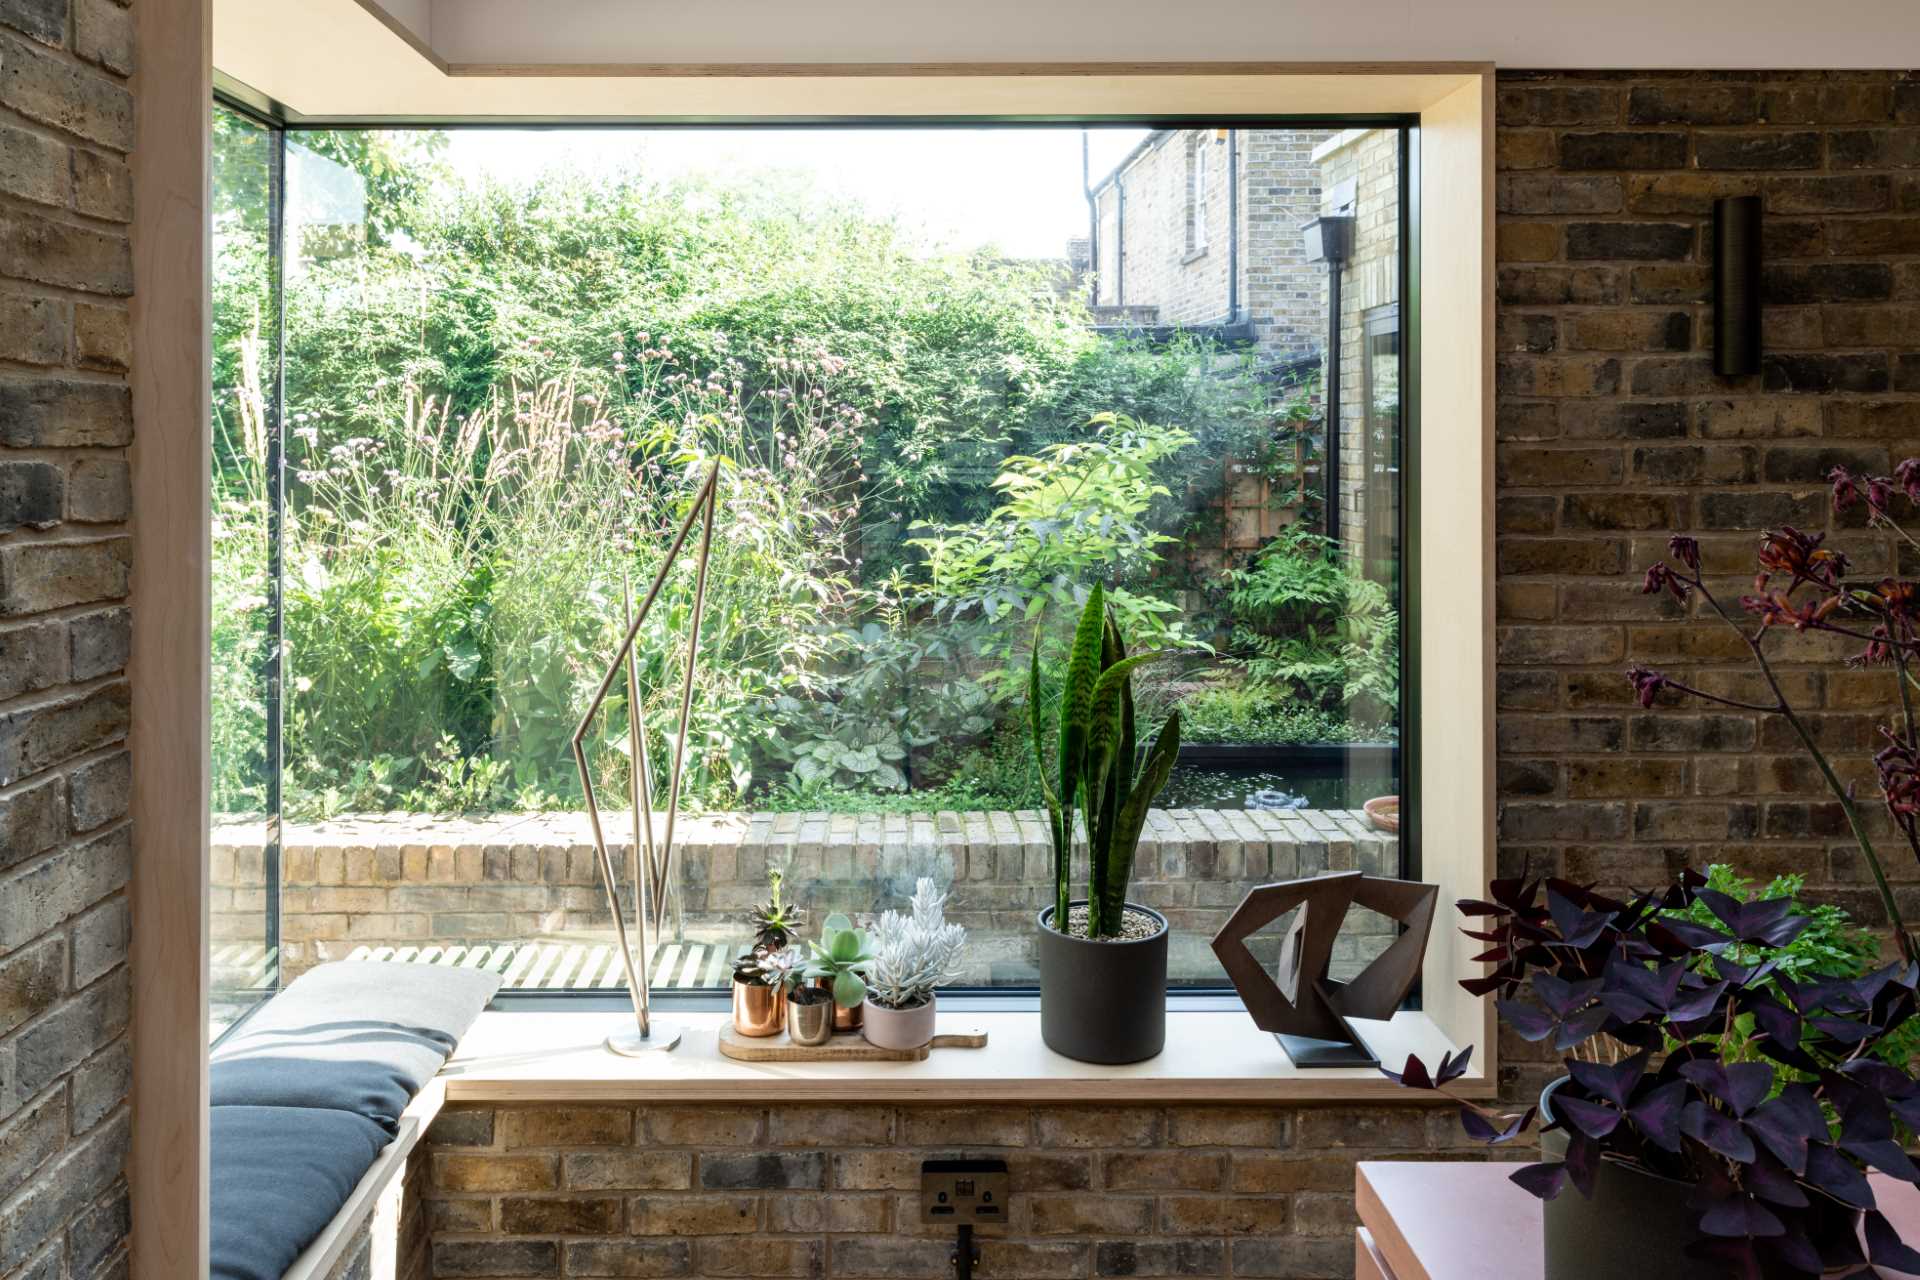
[652, 866]
[1307, 1011]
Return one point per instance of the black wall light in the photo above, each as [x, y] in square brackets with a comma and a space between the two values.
[1736, 286]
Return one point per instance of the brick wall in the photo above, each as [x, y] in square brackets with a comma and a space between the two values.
[1614, 430]
[66, 124]
[815, 1191]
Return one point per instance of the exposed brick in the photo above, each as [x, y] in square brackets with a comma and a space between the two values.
[102, 338]
[459, 1172]
[103, 33]
[733, 1256]
[1693, 104]
[59, 253]
[1558, 105]
[762, 1171]
[559, 1216]
[1861, 371]
[1162, 1171]
[983, 1126]
[99, 642]
[693, 1215]
[566, 1126]
[1558, 194]
[31, 980]
[1874, 149]
[1105, 1214]
[44, 20]
[1159, 1258]
[32, 820]
[1635, 149]
[100, 941]
[1863, 193]
[1223, 1215]
[43, 87]
[629, 1258]
[704, 1126]
[839, 1126]
[1770, 150]
[87, 1168]
[49, 575]
[1099, 1127]
[33, 656]
[500, 1258]
[1828, 282]
[1641, 240]
[58, 413]
[32, 494]
[33, 738]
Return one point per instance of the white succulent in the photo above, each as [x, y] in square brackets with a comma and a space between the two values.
[913, 954]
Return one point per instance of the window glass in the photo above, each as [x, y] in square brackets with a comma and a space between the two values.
[951, 378]
[243, 671]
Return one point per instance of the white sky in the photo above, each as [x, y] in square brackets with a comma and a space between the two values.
[1018, 189]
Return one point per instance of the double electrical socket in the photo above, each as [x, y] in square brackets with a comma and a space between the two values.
[964, 1192]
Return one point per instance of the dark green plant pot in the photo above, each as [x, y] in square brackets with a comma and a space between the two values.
[1636, 1225]
[1103, 1002]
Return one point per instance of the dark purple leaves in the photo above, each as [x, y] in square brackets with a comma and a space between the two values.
[1657, 1115]
[1831, 1172]
[1614, 1082]
[1719, 1133]
[1885, 1247]
[1590, 1118]
[1543, 1180]
[1786, 1124]
[1742, 1086]
[1481, 1129]
[1770, 923]
[1741, 1215]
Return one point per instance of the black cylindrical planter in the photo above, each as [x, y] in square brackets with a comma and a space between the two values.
[1105, 1001]
[1637, 1224]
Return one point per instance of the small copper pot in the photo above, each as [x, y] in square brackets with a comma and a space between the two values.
[843, 1019]
[759, 1009]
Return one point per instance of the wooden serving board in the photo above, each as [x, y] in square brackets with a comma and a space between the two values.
[846, 1046]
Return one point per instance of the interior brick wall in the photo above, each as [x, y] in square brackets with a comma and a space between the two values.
[66, 125]
[809, 1191]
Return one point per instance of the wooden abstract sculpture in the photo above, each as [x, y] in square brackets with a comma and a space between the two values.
[652, 865]
[1305, 1008]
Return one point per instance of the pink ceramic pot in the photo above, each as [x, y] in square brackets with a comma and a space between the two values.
[887, 1028]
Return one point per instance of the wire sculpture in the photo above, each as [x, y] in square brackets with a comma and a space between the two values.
[652, 863]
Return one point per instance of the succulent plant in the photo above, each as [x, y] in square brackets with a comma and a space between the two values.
[841, 954]
[776, 922]
[913, 954]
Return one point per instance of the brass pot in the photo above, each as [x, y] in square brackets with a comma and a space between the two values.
[759, 1009]
[810, 1024]
[843, 1019]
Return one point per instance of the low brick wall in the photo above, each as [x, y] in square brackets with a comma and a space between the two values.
[408, 879]
[820, 1191]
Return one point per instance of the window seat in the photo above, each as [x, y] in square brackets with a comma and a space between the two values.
[317, 1102]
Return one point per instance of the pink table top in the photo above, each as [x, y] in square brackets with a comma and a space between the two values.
[1435, 1220]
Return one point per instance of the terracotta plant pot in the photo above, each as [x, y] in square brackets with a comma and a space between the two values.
[810, 1022]
[847, 1019]
[1103, 1001]
[887, 1028]
[758, 1008]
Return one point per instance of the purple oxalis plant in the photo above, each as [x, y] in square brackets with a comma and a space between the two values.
[1692, 1057]
[1803, 585]
[1689, 1054]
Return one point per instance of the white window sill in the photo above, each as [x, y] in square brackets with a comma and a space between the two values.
[513, 1056]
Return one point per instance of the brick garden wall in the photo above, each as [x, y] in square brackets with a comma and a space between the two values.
[1613, 432]
[66, 125]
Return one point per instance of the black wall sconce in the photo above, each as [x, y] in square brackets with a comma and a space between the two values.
[1736, 286]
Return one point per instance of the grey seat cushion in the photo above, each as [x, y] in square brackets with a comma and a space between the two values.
[356, 1036]
[280, 1174]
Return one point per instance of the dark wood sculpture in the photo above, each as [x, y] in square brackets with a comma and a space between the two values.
[1306, 1009]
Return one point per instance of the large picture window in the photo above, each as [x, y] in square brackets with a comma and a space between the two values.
[952, 377]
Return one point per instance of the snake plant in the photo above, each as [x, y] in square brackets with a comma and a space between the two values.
[1100, 779]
